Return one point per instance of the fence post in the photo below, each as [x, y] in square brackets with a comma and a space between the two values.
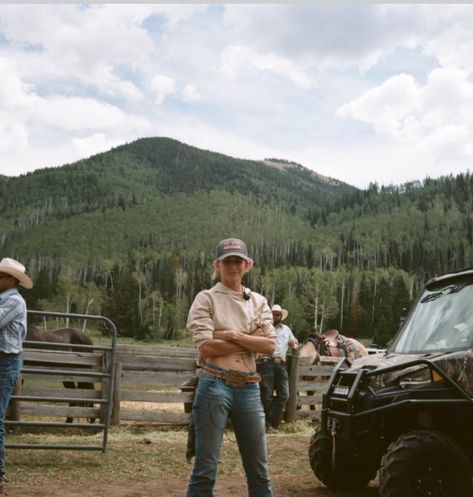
[293, 382]
[116, 396]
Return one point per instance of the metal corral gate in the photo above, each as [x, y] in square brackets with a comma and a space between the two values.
[88, 364]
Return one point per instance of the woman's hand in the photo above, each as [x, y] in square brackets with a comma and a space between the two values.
[221, 344]
[258, 332]
[227, 335]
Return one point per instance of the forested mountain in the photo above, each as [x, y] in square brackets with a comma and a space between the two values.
[130, 233]
[159, 196]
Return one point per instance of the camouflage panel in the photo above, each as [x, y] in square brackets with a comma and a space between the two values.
[459, 367]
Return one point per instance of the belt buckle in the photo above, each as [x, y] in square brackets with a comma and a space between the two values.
[278, 360]
[235, 378]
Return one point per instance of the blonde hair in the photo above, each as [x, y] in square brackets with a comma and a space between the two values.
[215, 273]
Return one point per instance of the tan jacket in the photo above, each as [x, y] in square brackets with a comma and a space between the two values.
[220, 308]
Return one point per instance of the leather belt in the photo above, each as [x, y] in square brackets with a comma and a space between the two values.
[232, 377]
[276, 360]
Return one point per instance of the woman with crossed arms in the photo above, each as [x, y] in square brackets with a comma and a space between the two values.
[230, 324]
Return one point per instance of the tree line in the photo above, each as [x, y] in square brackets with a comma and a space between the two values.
[149, 299]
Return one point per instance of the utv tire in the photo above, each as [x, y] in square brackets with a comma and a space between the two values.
[351, 472]
[425, 463]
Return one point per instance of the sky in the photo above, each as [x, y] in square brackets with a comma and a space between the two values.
[359, 92]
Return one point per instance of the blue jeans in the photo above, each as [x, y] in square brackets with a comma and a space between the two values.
[10, 366]
[214, 403]
[275, 377]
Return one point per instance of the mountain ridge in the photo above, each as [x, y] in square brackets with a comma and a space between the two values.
[156, 179]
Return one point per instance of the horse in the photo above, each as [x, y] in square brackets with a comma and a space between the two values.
[330, 343]
[61, 335]
[70, 336]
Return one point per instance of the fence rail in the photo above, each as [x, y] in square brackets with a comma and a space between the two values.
[155, 377]
[149, 384]
[47, 369]
[307, 384]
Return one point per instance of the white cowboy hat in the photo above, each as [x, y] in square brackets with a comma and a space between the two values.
[278, 308]
[17, 270]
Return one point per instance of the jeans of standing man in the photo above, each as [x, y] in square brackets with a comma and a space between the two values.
[214, 403]
[10, 365]
[275, 378]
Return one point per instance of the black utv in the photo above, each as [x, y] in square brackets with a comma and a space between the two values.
[406, 413]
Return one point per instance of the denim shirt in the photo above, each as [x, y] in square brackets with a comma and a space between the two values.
[12, 321]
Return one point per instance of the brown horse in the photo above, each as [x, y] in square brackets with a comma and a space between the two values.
[61, 335]
[330, 343]
[70, 336]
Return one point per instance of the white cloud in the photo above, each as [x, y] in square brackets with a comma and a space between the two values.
[434, 119]
[236, 59]
[191, 93]
[15, 101]
[318, 35]
[94, 144]
[199, 133]
[27, 117]
[358, 36]
[383, 162]
[176, 14]
[22, 104]
[78, 114]
[450, 42]
[12, 135]
[13, 92]
[87, 43]
[163, 86]
[386, 106]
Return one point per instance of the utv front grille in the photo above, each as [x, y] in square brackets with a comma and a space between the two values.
[342, 389]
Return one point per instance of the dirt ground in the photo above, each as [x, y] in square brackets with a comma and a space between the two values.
[152, 464]
[172, 487]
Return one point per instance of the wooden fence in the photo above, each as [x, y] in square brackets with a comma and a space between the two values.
[154, 379]
[307, 384]
[43, 394]
[150, 385]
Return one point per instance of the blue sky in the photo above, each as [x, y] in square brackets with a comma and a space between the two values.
[357, 92]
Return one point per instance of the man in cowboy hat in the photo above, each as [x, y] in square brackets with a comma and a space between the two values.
[12, 334]
[274, 372]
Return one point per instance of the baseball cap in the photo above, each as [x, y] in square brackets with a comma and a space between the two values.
[232, 246]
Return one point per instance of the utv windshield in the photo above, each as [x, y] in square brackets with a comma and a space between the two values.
[441, 321]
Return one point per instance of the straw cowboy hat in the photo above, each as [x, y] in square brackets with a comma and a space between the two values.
[278, 308]
[17, 270]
